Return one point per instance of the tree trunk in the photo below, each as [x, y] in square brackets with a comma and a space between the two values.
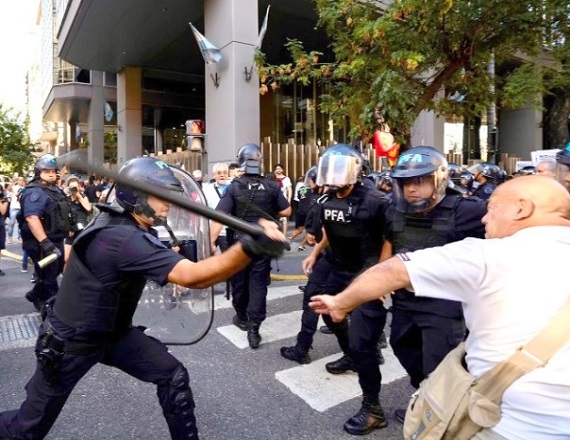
[557, 122]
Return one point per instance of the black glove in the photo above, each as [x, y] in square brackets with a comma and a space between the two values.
[47, 246]
[262, 246]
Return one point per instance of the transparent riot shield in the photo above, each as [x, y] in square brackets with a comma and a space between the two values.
[174, 314]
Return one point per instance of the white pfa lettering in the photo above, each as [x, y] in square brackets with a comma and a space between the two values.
[334, 214]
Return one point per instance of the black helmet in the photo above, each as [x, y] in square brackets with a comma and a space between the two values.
[45, 162]
[340, 165]
[310, 176]
[529, 170]
[148, 170]
[466, 180]
[249, 159]
[420, 162]
[454, 171]
[501, 177]
[487, 169]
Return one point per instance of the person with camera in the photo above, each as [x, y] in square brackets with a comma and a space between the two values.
[80, 207]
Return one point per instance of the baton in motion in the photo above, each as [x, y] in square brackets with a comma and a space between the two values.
[75, 160]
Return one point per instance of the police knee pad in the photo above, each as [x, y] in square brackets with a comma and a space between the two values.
[179, 392]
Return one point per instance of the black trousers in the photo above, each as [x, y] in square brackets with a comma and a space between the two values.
[324, 278]
[366, 324]
[421, 340]
[249, 290]
[46, 285]
[136, 354]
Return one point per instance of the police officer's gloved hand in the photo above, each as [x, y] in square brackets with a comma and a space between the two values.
[47, 246]
[262, 246]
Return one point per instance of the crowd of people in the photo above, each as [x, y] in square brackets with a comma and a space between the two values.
[431, 235]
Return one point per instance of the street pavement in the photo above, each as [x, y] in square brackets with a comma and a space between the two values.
[240, 393]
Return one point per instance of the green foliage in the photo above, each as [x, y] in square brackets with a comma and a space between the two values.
[400, 60]
[15, 148]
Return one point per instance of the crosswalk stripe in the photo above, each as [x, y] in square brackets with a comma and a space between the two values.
[322, 390]
[274, 328]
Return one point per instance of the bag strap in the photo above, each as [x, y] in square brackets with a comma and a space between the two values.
[535, 353]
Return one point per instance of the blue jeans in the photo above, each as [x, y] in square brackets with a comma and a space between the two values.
[12, 222]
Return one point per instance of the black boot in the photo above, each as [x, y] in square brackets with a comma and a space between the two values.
[240, 322]
[367, 419]
[382, 342]
[380, 358]
[341, 365]
[295, 353]
[253, 336]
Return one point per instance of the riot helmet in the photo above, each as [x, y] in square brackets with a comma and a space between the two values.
[486, 169]
[501, 177]
[45, 162]
[310, 177]
[563, 166]
[529, 170]
[425, 173]
[454, 171]
[249, 159]
[466, 180]
[339, 166]
[148, 170]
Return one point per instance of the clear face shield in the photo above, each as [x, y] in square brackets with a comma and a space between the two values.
[563, 175]
[415, 195]
[337, 170]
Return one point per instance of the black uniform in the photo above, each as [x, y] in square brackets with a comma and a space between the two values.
[90, 322]
[51, 206]
[424, 330]
[484, 190]
[250, 198]
[354, 229]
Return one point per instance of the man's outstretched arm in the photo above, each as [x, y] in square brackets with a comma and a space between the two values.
[375, 283]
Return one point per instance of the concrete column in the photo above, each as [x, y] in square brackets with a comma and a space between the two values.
[232, 109]
[73, 140]
[129, 114]
[520, 132]
[158, 138]
[96, 128]
[428, 129]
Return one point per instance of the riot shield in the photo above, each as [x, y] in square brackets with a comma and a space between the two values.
[174, 314]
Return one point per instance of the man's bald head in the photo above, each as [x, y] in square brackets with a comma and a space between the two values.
[525, 202]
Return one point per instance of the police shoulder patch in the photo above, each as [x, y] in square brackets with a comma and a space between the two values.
[154, 241]
[488, 190]
[34, 196]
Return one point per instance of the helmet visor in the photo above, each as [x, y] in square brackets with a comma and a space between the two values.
[417, 194]
[337, 170]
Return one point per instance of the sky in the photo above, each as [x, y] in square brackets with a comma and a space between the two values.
[17, 22]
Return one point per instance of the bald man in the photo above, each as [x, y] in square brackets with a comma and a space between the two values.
[508, 294]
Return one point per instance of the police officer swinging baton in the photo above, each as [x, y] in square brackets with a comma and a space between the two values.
[74, 160]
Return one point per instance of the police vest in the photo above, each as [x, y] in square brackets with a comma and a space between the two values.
[254, 198]
[412, 232]
[83, 301]
[353, 230]
[56, 221]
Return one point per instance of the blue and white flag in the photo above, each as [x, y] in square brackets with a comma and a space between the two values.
[210, 53]
[108, 112]
[262, 30]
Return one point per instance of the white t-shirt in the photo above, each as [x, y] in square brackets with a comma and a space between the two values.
[14, 202]
[212, 193]
[285, 183]
[510, 289]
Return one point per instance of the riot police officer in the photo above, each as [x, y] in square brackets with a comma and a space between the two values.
[424, 330]
[251, 197]
[89, 321]
[45, 222]
[484, 174]
[352, 216]
[563, 167]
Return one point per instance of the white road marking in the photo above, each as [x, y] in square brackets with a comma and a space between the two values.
[322, 390]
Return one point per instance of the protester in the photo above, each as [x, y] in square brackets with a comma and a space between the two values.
[493, 280]
[546, 168]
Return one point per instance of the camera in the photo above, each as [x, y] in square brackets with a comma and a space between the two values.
[73, 190]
